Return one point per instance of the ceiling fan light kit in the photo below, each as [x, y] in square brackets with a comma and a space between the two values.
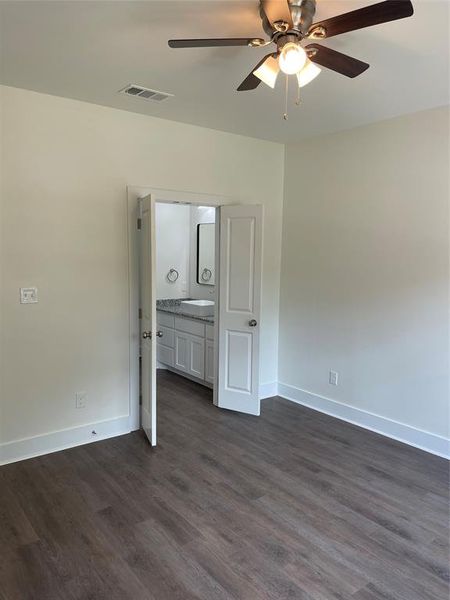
[292, 58]
[288, 23]
[308, 73]
[268, 71]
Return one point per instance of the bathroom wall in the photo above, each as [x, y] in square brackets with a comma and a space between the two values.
[176, 248]
[173, 223]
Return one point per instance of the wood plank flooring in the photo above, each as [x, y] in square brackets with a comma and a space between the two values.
[290, 505]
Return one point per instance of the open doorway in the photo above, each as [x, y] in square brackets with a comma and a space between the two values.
[185, 291]
[222, 354]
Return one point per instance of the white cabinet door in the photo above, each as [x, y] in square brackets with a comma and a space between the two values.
[209, 361]
[181, 361]
[190, 354]
[197, 356]
[165, 355]
[239, 308]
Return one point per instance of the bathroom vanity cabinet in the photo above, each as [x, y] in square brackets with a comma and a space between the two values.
[187, 346]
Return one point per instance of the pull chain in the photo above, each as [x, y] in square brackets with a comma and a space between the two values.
[297, 102]
[286, 116]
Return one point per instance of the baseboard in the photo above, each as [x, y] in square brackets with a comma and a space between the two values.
[63, 439]
[67, 438]
[268, 390]
[418, 438]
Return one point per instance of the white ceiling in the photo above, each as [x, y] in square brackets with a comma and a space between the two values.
[90, 50]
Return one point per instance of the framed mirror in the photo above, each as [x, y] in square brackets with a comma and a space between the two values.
[205, 253]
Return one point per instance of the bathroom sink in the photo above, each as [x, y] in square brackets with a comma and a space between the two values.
[198, 308]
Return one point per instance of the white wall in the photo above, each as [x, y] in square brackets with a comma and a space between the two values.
[66, 165]
[173, 248]
[365, 256]
[365, 269]
[199, 214]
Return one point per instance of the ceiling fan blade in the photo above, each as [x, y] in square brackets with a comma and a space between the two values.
[251, 82]
[215, 42]
[336, 61]
[277, 10]
[383, 12]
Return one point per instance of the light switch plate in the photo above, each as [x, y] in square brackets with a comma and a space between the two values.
[28, 295]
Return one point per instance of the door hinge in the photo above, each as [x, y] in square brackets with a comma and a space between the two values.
[139, 223]
[140, 313]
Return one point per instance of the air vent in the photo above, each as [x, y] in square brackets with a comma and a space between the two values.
[147, 94]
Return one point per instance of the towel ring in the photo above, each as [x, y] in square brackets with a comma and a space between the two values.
[206, 274]
[172, 275]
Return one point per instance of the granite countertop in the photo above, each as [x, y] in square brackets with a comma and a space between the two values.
[174, 307]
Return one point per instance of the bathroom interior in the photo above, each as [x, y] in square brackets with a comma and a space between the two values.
[185, 290]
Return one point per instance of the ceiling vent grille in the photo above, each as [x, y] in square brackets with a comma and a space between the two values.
[147, 94]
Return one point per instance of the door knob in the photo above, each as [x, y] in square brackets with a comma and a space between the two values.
[159, 334]
[253, 323]
[147, 335]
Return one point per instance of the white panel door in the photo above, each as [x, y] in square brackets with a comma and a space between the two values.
[239, 307]
[148, 321]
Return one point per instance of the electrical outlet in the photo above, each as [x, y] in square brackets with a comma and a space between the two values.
[80, 399]
[333, 378]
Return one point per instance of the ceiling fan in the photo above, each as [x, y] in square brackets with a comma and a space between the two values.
[289, 23]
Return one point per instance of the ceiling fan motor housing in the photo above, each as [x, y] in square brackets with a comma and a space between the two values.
[302, 15]
[302, 12]
[284, 39]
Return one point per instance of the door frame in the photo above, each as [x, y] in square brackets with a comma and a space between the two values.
[134, 193]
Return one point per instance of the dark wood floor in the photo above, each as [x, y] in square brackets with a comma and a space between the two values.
[293, 504]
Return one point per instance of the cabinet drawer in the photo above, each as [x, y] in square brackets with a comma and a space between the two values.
[168, 337]
[165, 319]
[165, 355]
[189, 326]
[209, 332]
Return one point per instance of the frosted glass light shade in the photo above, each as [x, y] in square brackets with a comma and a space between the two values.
[308, 73]
[268, 71]
[292, 58]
